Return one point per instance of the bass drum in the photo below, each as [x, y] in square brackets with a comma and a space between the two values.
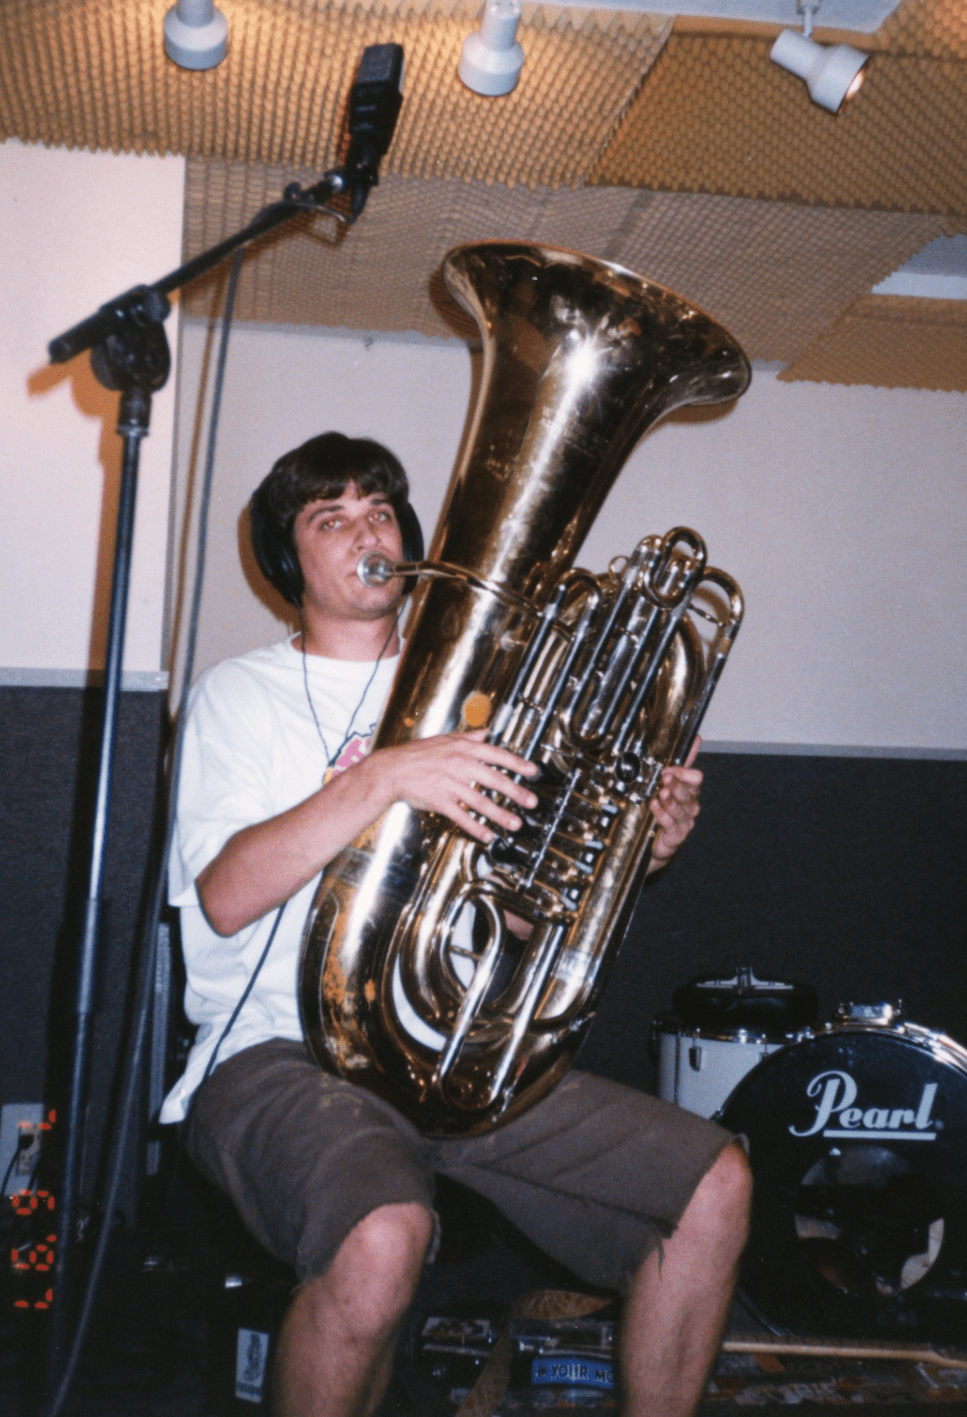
[858, 1142]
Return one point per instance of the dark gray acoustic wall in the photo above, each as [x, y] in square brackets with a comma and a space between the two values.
[49, 741]
[845, 872]
[849, 873]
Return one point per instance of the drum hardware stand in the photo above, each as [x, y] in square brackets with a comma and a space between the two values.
[130, 355]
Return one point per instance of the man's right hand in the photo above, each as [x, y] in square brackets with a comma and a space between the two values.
[266, 863]
[448, 774]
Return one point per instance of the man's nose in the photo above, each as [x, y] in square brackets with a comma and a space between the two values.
[365, 536]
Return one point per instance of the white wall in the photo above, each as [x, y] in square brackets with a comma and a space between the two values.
[76, 228]
[282, 387]
[839, 510]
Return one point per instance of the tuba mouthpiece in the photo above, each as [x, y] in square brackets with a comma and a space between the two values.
[375, 569]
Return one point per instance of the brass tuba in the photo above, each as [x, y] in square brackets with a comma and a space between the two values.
[412, 984]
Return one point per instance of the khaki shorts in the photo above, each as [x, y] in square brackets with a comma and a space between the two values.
[595, 1174]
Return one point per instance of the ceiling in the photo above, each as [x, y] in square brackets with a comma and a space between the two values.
[859, 16]
[668, 143]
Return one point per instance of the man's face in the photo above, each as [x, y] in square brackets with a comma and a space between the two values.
[331, 535]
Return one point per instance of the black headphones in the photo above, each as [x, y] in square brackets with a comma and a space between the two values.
[276, 555]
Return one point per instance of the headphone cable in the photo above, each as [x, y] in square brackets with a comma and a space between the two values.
[332, 759]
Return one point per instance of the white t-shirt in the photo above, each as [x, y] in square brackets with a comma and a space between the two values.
[251, 751]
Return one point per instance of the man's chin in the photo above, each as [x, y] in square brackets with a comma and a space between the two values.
[388, 602]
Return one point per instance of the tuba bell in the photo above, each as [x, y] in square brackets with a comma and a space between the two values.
[412, 984]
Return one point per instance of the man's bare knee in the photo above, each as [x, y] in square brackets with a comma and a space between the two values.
[723, 1198]
[393, 1237]
[378, 1264]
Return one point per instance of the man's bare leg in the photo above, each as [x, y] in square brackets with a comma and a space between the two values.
[336, 1346]
[678, 1305]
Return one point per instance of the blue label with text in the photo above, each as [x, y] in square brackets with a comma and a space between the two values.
[572, 1372]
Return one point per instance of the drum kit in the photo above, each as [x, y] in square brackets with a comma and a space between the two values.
[857, 1135]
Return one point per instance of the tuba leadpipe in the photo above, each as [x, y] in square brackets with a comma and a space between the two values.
[412, 982]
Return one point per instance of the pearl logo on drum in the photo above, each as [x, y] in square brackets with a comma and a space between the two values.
[837, 1094]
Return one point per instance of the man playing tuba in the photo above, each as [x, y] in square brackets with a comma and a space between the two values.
[633, 1194]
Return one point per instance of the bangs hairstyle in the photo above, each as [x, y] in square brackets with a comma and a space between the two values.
[322, 469]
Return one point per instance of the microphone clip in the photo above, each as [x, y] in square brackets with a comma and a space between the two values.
[374, 105]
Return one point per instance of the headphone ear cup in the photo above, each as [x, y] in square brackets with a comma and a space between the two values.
[411, 535]
[275, 560]
[289, 580]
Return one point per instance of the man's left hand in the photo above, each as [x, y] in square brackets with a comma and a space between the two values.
[675, 807]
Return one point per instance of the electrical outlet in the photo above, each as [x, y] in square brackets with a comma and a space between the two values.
[19, 1119]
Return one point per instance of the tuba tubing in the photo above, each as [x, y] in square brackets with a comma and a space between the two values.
[411, 982]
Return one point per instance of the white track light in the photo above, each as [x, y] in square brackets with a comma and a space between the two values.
[196, 34]
[833, 74]
[492, 59]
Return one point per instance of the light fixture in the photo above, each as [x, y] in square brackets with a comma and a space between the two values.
[492, 59]
[196, 34]
[833, 74]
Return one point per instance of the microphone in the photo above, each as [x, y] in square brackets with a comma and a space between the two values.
[374, 105]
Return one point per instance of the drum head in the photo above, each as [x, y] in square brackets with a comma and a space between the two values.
[858, 1144]
[725, 1005]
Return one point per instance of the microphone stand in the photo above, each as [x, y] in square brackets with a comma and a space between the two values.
[130, 354]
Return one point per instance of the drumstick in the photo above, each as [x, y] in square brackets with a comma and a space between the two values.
[836, 1348]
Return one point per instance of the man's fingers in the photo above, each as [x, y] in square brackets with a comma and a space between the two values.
[498, 757]
[475, 745]
[478, 830]
[690, 777]
[674, 822]
[683, 794]
[499, 782]
[460, 813]
[478, 801]
[453, 775]
[680, 785]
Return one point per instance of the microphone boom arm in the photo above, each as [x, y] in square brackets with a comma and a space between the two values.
[374, 105]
